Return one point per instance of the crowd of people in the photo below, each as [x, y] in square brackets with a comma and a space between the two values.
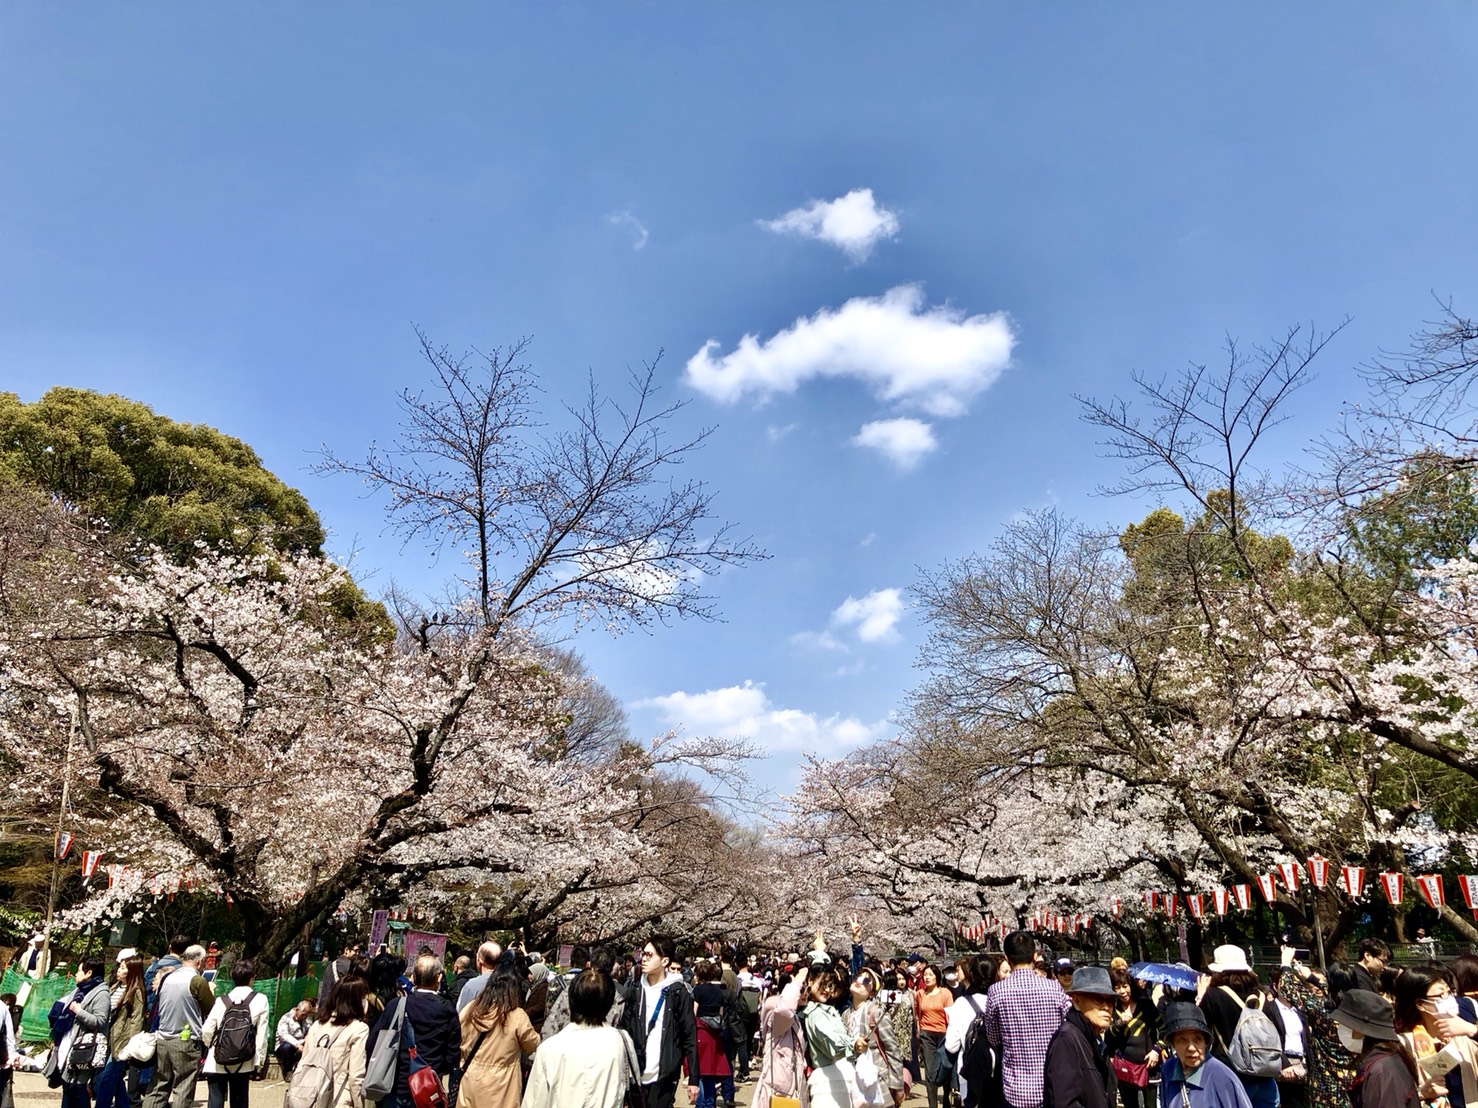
[822, 1029]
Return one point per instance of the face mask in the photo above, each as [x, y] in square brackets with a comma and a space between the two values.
[1446, 1006]
[1352, 1041]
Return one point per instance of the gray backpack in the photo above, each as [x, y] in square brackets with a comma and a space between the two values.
[1256, 1049]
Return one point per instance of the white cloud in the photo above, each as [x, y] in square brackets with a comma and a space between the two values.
[904, 441]
[819, 640]
[875, 616]
[936, 359]
[745, 711]
[638, 228]
[853, 223]
[776, 433]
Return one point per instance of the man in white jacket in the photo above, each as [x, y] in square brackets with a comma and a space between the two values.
[217, 1033]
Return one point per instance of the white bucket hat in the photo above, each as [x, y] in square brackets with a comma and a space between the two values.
[1229, 958]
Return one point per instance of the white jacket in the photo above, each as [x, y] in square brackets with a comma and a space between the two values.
[259, 1008]
[581, 1067]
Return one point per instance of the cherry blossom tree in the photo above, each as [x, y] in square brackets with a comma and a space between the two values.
[248, 733]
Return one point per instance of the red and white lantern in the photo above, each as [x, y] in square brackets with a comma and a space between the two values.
[1288, 871]
[1266, 886]
[1149, 900]
[1352, 880]
[1395, 886]
[1223, 900]
[1468, 883]
[1243, 894]
[90, 859]
[1116, 905]
[1170, 899]
[1197, 904]
[1319, 871]
[1430, 886]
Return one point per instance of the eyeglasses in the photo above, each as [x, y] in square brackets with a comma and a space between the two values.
[649, 954]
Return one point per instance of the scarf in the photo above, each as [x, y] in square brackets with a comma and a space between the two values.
[66, 1018]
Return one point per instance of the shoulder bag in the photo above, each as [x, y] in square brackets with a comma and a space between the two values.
[379, 1070]
[422, 1081]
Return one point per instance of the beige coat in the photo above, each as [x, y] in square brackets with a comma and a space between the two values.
[494, 1078]
[346, 1053]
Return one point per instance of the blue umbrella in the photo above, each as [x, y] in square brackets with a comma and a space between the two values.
[1163, 973]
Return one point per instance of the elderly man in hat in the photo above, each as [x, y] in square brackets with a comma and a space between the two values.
[1077, 1074]
[1192, 1078]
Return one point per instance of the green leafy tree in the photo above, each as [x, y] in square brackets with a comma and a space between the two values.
[171, 483]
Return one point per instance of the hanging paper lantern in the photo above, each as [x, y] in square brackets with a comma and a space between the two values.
[1170, 899]
[1430, 886]
[1288, 871]
[1469, 885]
[1266, 887]
[1223, 900]
[90, 859]
[1197, 904]
[1352, 880]
[63, 844]
[1149, 900]
[1395, 886]
[1319, 871]
[1243, 893]
[1116, 905]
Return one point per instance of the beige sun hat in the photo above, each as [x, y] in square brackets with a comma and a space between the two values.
[1229, 957]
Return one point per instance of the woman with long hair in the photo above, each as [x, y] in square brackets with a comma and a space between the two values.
[1447, 1062]
[343, 1034]
[978, 1072]
[783, 1057]
[866, 1020]
[118, 1085]
[496, 1034]
[931, 1005]
[830, 1048]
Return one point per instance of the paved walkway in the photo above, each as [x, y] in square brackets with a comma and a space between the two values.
[31, 1092]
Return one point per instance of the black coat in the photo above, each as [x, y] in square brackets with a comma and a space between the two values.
[438, 1035]
[1078, 1074]
[679, 1030]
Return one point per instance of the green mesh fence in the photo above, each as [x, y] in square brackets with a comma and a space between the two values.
[281, 993]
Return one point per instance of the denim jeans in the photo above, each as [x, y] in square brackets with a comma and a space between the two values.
[117, 1086]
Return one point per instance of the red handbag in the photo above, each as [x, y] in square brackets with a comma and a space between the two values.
[1131, 1073]
[424, 1084]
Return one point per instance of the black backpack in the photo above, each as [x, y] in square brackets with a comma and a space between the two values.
[977, 1064]
[236, 1041]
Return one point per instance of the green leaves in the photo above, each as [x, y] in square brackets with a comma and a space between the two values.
[174, 484]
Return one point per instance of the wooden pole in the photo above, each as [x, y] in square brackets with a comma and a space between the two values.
[56, 842]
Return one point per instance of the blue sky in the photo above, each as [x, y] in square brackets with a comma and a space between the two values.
[237, 214]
